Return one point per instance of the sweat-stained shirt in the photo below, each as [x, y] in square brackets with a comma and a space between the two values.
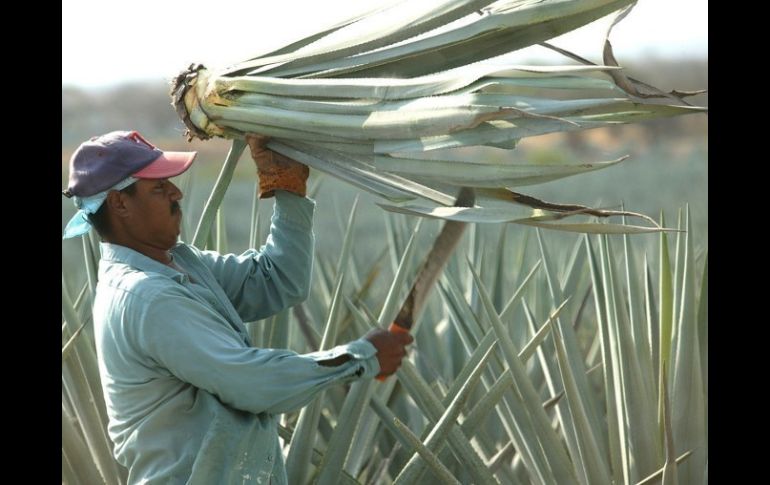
[189, 399]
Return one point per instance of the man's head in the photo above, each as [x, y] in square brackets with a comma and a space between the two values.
[119, 181]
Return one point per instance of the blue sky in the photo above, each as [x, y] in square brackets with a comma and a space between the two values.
[105, 42]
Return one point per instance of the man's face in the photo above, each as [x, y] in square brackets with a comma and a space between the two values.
[155, 216]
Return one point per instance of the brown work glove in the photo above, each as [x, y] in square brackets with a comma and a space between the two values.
[276, 171]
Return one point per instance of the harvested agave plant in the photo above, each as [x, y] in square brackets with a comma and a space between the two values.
[365, 100]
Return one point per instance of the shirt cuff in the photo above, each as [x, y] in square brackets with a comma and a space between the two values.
[363, 363]
[294, 209]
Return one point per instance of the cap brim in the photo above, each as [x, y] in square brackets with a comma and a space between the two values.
[170, 164]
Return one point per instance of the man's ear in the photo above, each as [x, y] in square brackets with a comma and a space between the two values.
[117, 203]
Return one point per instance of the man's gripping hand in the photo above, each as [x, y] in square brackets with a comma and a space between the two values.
[276, 171]
[391, 349]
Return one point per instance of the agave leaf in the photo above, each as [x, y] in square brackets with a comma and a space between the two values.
[471, 96]
[573, 274]
[550, 371]
[388, 420]
[316, 456]
[82, 361]
[508, 308]
[82, 305]
[656, 477]
[486, 37]
[666, 313]
[687, 396]
[69, 345]
[499, 270]
[651, 312]
[389, 186]
[377, 88]
[307, 422]
[384, 124]
[432, 460]
[390, 307]
[484, 344]
[360, 393]
[499, 131]
[638, 402]
[517, 85]
[81, 382]
[431, 405]
[529, 349]
[703, 338]
[616, 351]
[338, 446]
[218, 193]
[615, 427]
[491, 398]
[485, 175]
[221, 233]
[513, 214]
[594, 464]
[438, 435]
[678, 277]
[254, 227]
[91, 257]
[557, 459]
[387, 25]
[495, 392]
[640, 347]
[310, 39]
[670, 476]
[77, 452]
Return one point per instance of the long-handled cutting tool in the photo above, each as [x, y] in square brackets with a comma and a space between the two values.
[437, 258]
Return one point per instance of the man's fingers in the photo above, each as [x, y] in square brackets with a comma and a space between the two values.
[257, 143]
[258, 140]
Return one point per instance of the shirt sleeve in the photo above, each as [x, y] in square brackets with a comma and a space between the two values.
[197, 346]
[262, 283]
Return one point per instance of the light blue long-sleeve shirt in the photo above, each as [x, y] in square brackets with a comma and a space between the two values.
[189, 400]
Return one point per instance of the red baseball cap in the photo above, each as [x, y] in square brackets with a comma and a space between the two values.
[103, 161]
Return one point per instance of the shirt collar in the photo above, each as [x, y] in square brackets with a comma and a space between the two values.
[121, 254]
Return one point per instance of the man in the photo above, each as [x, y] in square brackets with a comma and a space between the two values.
[189, 399]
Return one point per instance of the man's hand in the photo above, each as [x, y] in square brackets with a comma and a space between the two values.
[275, 170]
[390, 349]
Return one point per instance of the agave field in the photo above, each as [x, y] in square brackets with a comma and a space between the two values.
[529, 366]
[579, 361]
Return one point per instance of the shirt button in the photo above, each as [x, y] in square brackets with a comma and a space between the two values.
[270, 458]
